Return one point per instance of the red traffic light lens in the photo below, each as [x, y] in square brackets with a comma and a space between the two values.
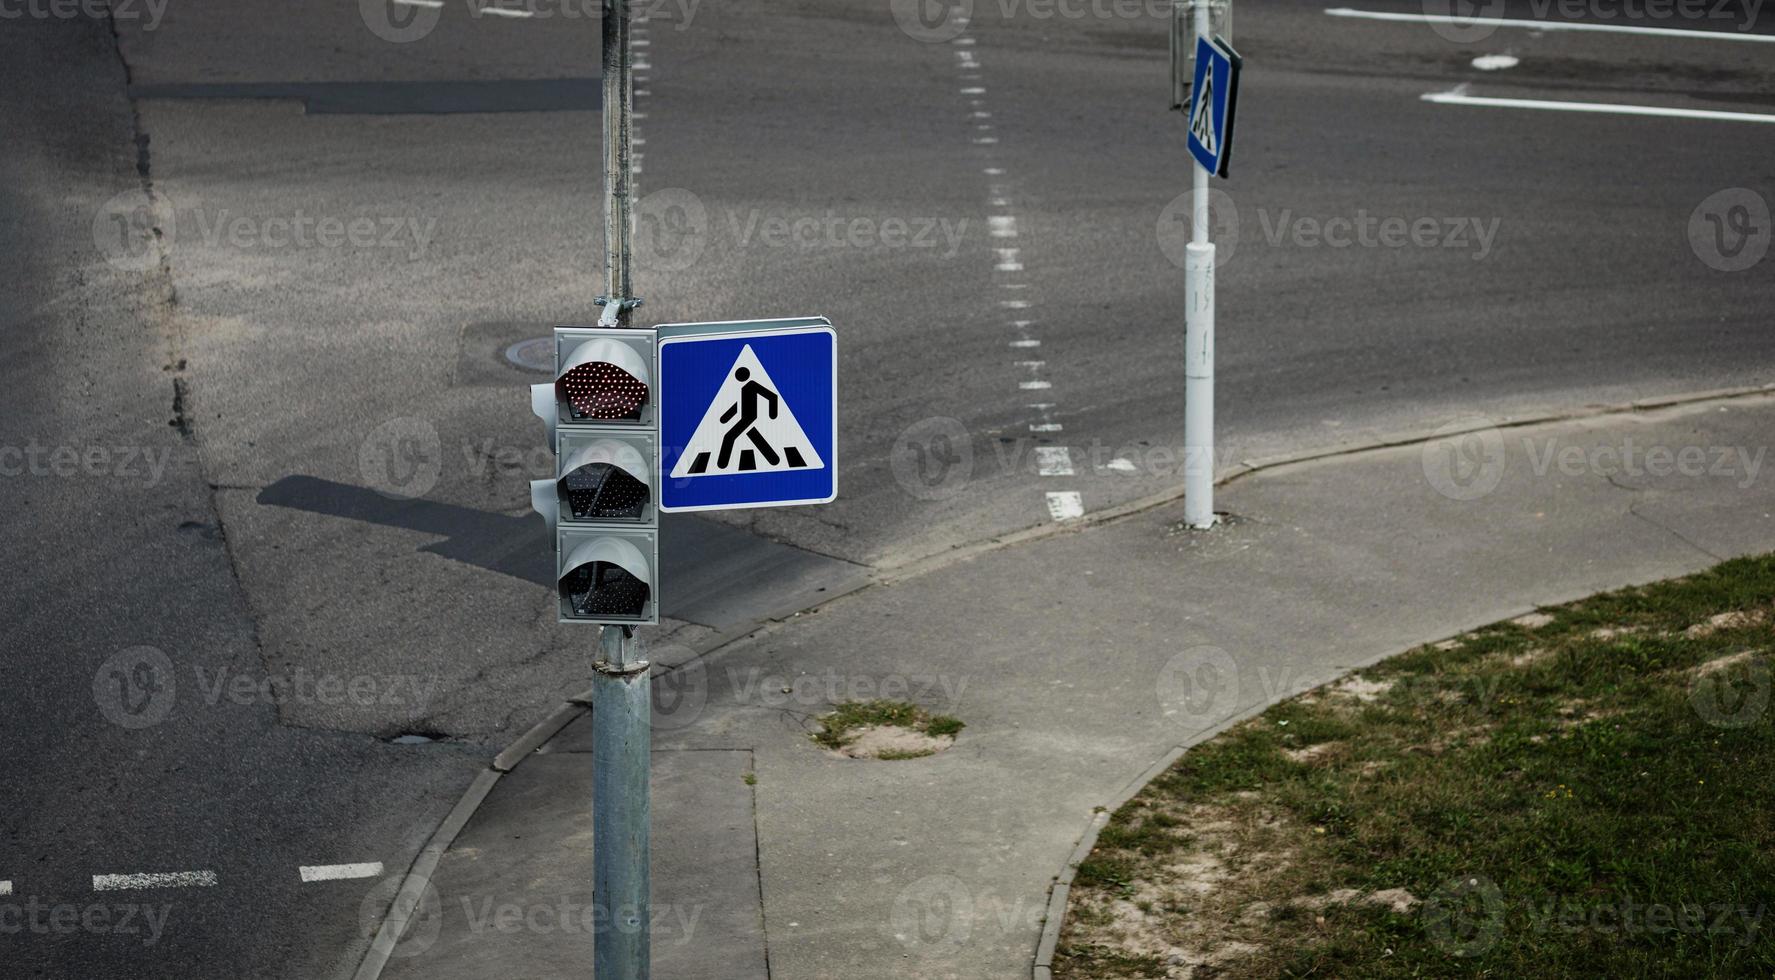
[600, 390]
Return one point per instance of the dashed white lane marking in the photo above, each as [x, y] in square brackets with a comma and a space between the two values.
[985, 140]
[975, 90]
[1053, 460]
[1014, 304]
[1496, 62]
[433, 4]
[163, 879]
[5, 887]
[1034, 385]
[1121, 465]
[1045, 427]
[1457, 98]
[1026, 343]
[1549, 25]
[506, 12]
[1065, 505]
[1007, 260]
[337, 872]
[1002, 226]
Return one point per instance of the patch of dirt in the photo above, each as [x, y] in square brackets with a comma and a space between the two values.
[1309, 753]
[1718, 664]
[1736, 619]
[1532, 621]
[1529, 658]
[1610, 632]
[893, 742]
[1361, 688]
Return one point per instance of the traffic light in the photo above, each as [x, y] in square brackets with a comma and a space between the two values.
[603, 502]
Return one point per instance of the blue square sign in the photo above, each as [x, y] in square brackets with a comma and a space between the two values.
[1213, 99]
[748, 414]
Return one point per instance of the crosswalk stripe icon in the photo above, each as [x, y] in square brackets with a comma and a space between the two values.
[1202, 126]
[748, 428]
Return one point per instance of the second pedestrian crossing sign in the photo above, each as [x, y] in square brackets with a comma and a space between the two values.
[748, 414]
[1213, 98]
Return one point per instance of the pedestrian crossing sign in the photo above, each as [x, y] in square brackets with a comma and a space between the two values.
[1213, 98]
[748, 414]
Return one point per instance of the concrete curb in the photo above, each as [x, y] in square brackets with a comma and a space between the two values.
[418, 875]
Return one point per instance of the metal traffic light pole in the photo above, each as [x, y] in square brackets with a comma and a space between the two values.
[1198, 357]
[622, 807]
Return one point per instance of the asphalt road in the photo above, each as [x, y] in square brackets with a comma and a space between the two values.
[992, 227]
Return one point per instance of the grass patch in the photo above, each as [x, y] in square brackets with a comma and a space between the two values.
[841, 726]
[1586, 797]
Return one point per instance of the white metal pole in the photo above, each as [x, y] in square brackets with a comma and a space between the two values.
[1198, 360]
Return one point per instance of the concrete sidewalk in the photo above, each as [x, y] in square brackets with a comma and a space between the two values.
[1079, 661]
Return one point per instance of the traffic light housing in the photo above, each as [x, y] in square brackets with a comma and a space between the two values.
[602, 504]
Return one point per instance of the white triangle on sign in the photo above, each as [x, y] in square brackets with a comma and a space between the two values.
[727, 441]
[1202, 126]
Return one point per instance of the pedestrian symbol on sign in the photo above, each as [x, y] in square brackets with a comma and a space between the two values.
[1202, 125]
[747, 428]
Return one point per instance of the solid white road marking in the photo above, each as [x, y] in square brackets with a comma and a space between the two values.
[336, 872]
[1121, 465]
[1053, 460]
[1456, 98]
[1065, 505]
[1496, 62]
[1547, 25]
[165, 879]
[434, 4]
[5, 887]
[509, 12]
